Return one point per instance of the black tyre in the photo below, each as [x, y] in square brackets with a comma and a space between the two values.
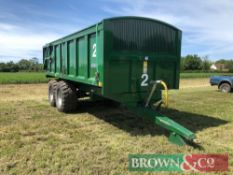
[225, 87]
[66, 97]
[52, 86]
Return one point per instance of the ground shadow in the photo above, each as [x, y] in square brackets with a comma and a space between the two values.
[194, 122]
[123, 119]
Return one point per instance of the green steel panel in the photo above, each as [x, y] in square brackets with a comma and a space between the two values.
[131, 34]
[119, 80]
[58, 58]
[64, 59]
[150, 50]
[82, 58]
[166, 71]
[52, 61]
[71, 57]
[126, 76]
[92, 56]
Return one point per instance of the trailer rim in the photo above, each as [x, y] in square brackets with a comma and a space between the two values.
[59, 98]
[51, 92]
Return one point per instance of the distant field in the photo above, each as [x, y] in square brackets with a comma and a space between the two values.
[201, 75]
[194, 83]
[22, 78]
[39, 77]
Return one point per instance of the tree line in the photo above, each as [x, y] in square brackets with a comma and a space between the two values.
[26, 65]
[197, 63]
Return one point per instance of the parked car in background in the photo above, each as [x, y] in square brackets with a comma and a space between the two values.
[224, 83]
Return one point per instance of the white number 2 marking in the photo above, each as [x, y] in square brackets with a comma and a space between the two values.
[144, 78]
[94, 50]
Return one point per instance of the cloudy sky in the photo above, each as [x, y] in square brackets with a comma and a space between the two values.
[26, 25]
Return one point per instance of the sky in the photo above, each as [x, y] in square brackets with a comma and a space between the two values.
[26, 25]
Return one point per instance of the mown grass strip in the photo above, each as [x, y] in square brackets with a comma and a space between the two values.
[22, 77]
[202, 75]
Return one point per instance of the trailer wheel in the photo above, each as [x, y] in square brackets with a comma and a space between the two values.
[225, 87]
[66, 98]
[52, 86]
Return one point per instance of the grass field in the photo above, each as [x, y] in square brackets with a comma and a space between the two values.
[36, 139]
[201, 75]
[22, 78]
[39, 77]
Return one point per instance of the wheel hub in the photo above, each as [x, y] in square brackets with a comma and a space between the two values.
[225, 89]
[51, 96]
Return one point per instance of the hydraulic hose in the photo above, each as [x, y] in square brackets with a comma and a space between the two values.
[165, 93]
[155, 83]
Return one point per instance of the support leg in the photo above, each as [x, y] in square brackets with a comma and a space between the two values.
[176, 139]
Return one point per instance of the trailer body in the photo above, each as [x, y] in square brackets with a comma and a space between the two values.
[118, 57]
[125, 59]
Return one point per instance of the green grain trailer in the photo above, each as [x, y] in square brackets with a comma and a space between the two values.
[125, 59]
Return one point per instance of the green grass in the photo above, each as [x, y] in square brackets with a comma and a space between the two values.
[201, 75]
[22, 77]
[37, 139]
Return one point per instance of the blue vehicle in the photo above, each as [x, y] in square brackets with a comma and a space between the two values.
[224, 83]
